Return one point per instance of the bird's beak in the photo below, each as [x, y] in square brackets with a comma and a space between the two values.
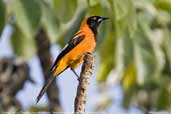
[104, 18]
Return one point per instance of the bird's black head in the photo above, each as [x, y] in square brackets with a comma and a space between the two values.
[94, 22]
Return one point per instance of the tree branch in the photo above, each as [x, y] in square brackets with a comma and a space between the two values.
[85, 74]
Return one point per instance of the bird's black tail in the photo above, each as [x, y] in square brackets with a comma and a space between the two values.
[45, 87]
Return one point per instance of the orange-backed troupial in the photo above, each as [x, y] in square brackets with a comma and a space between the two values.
[72, 54]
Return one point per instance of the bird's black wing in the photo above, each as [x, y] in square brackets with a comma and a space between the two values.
[72, 43]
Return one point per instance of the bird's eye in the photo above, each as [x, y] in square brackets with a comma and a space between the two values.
[94, 18]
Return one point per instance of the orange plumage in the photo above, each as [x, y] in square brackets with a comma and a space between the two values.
[75, 56]
[72, 54]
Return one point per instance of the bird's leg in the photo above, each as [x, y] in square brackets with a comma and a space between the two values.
[72, 69]
[78, 77]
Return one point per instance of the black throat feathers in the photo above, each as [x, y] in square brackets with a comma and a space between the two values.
[93, 27]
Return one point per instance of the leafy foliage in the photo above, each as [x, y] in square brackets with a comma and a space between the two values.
[2, 17]
[22, 46]
[27, 14]
[135, 42]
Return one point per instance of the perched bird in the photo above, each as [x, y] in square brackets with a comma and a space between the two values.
[73, 53]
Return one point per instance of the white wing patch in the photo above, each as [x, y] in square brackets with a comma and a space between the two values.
[65, 47]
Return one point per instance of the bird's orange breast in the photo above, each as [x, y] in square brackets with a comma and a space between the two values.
[76, 55]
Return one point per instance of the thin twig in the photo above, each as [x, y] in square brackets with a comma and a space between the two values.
[85, 74]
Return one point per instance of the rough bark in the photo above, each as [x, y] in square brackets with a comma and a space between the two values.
[43, 51]
[80, 100]
[13, 75]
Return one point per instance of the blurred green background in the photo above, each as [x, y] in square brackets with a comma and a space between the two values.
[134, 46]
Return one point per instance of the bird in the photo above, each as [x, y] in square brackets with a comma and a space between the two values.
[73, 53]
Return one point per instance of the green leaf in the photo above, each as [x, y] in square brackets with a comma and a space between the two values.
[167, 45]
[164, 5]
[2, 17]
[106, 57]
[22, 46]
[128, 50]
[129, 96]
[125, 64]
[96, 9]
[124, 16]
[93, 2]
[146, 59]
[65, 9]
[129, 77]
[50, 22]
[123, 26]
[27, 14]
[68, 29]
[164, 101]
